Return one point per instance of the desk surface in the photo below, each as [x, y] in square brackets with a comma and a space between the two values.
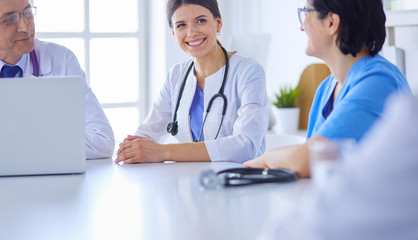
[139, 201]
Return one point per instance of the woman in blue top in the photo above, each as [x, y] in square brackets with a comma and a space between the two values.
[347, 35]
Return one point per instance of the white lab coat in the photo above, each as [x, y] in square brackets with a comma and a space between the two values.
[56, 60]
[242, 135]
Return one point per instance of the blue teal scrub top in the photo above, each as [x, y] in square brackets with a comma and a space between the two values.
[360, 101]
[196, 114]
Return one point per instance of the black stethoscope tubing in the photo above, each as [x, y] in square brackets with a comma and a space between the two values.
[247, 176]
[172, 127]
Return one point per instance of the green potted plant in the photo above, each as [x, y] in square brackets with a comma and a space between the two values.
[285, 112]
[286, 98]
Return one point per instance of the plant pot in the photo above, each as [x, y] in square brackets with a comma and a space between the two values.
[287, 120]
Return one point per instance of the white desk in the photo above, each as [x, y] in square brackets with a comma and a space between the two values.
[140, 201]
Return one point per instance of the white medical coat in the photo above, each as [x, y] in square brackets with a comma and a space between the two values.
[243, 131]
[56, 60]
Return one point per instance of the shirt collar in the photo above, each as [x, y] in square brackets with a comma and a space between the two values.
[21, 63]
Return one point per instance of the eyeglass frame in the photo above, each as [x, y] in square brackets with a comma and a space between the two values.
[304, 10]
[32, 12]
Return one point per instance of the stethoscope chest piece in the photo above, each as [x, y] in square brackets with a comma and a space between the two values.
[172, 128]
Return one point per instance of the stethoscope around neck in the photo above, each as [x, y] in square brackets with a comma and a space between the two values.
[35, 63]
[172, 127]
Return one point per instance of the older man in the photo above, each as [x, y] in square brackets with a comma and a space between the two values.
[22, 55]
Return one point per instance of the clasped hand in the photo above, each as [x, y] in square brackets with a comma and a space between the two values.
[135, 149]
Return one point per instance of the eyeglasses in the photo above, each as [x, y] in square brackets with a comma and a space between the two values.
[29, 12]
[302, 13]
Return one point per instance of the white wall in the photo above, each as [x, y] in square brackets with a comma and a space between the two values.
[158, 50]
[406, 38]
[287, 58]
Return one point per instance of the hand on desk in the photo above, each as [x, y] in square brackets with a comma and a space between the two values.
[294, 157]
[135, 149]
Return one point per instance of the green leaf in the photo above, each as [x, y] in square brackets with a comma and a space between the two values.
[286, 97]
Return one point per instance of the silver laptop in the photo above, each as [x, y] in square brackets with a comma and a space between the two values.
[42, 126]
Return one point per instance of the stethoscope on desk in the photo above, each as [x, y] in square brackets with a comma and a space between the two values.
[172, 127]
[244, 176]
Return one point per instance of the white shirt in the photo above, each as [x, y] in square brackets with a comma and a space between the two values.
[242, 135]
[56, 60]
[375, 194]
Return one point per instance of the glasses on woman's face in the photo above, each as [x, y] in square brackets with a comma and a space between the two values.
[302, 13]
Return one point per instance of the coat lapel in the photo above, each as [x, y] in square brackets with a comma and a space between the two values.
[45, 61]
[184, 108]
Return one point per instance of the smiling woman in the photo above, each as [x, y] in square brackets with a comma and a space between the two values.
[185, 25]
[216, 112]
[195, 35]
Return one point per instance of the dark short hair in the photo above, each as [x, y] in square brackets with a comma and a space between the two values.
[172, 5]
[362, 23]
